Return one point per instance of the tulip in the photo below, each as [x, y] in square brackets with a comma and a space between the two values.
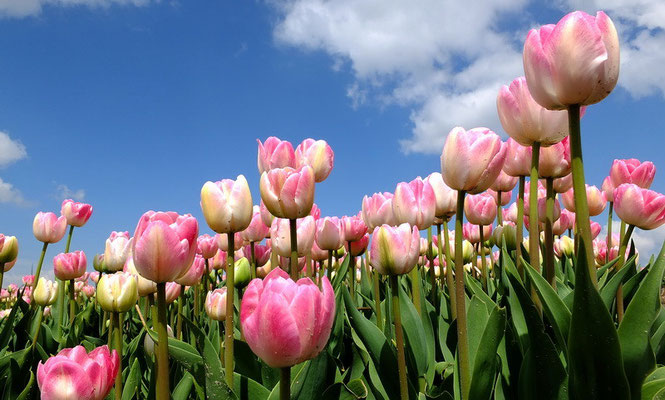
[241, 276]
[45, 292]
[472, 160]
[117, 292]
[354, 228]
[316, 154]
[414, 203]
[164, 245]
[562, 185]
[69, 266]
[330, 233]
[445, 197]
[261, 253]
[49, 228]
[280, 236]
[286, 322]
[149, 344]
[256, 231]
[223, 244]
[504, 200]
[564, 246]
[632, 171]
[275, 153]
[394, 250]
[480, 209]
[317, 254]
[75, 374]
[554, 161]
[287, 192]
[94, 276]
[265, 214]
[77, 214]
[595, 198]
[640, 207]
[525, 120]
[505, 232]
[193, 275]
[8, 249]
[504, 182]
[565, 221]
[471, 232]
[357, 247]
[215, 304]
[145, 286]
[315, 211]
[378, 210]
[227, 205]
[28, 280]
[206, 246]
[518, 159]
[575, 62]
[118, 246]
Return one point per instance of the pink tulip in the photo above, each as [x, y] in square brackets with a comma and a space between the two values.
[286, 322]
[542, 210]
[218, 261]
[275, 153]
[88, 291]
[504, 182]
[358, 247]
[285, 263]
[330, 233]
[414, 203]
[562, 185]
[554, 161]
[472, 160]
[94, 276]
[318, 155]
[265, 214]
[445, 197]
[394, 250]
[595, 229]
[28, 280]
[354, 228]
[280, 236]
[206, 246]
[223, 241]
[215, 304]
[471, 232]
[542, 193]
[316, 254]
[608, 189]
[68, 266]
[118, 247]
[172, 292]
[257, 230]
[287, 192]
[77, 214]
[164, 245]
[480, 209]
[227, 204]
[75, 374]
[8, 251]
[595, 199]
[261, 253]
[643, 208]
[378, 210]
[565, 221]
[525, 120]
[518, 159]
[49, 228]
[510, 213]
[505, 197]
[632, 171]
[194, 273]
[575, 61]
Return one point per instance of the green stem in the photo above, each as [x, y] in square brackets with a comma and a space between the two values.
[483, 262]
[351, 272]
[519, 225]
[414, 274]
[117, 334]
[39, 269]
[620, 262]
[430, 260]
[162, 351]
[609, 232]
[549, 235]
[399, 338]
[499, 210]
[72, 302]
[534, 235]
[462, 338]
[330, 264]
[60, 302]
[449, 267]
[285, 383]
[377, 300]
[581, 206]
[40, 310]
[252, 270]
[294, 249]
[180, 305]
[228, 330]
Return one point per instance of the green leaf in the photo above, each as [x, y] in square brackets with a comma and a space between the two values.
[609, 291]
[638, 356]
[313, 378]
[184, 387]
[555, 309]
[484, 363]
[416, 341]
[248, 389]
[340, 275]
[595, 363]
[182, 352]
[131, 385]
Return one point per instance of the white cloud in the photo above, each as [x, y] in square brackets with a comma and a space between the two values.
[10, 150]
[446, 60]
[10, 195]
[24, 8]
[63, 192]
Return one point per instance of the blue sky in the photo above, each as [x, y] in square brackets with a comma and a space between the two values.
[132, 105]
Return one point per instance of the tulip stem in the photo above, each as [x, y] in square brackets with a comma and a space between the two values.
[330, 264]
[377, 300]
[609, 231]
[449, 266]
[620, 262]
[483, 262]
[399, 338]
[462, 339]
[230, 296]
[534, 235]
[549, 235]
[581, 206]
[180, 305]
[293, 270]
[159, 324]
[414, 274]
[351, 272]
[499, 212]
[72, 302]
[430, 259]
[60, 302]
[40, 310]
[519, 224]
[117, 335]
[252, 270]
[39, 269]
[285, 383]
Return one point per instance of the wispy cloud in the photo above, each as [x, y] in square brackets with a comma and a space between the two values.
[63, 192]
[11, 150]
[25, 8]
[11, 195]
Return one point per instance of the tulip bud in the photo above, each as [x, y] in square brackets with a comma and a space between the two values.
[206, 246]
[77, 214]
[354, 228]
[8, 250]
[287, 192]
[632, 171]
[241, 273]
[395, 250]
[318, 155]
[118, 246]
[564, 246]
[480, 209]
[227, 205]
[358, 247]
[643, 208]
[414, 203]
[117, 292]
[280, 236]
[49, 228]
[215, 304]
[257, 230]
[518, 159]
[275, 153]
[508, 232]
[68, 266]
[378, 210]
[330, 233]
[149, 344]
[45, 293]
[194, 273]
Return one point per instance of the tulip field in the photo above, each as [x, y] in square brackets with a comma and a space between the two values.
[485, 280]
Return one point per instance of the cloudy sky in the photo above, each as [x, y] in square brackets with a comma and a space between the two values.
[132, 105]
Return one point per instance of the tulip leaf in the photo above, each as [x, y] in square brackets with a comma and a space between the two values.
[184, 387]
[609, 290]
[132, 382]
[340, 275]
[417, 356]
[594, 354]
[248, 389]
[312, 379]
[516, 313]
[181, 351]
[638, 356]
[557, 312]
[484, 361]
